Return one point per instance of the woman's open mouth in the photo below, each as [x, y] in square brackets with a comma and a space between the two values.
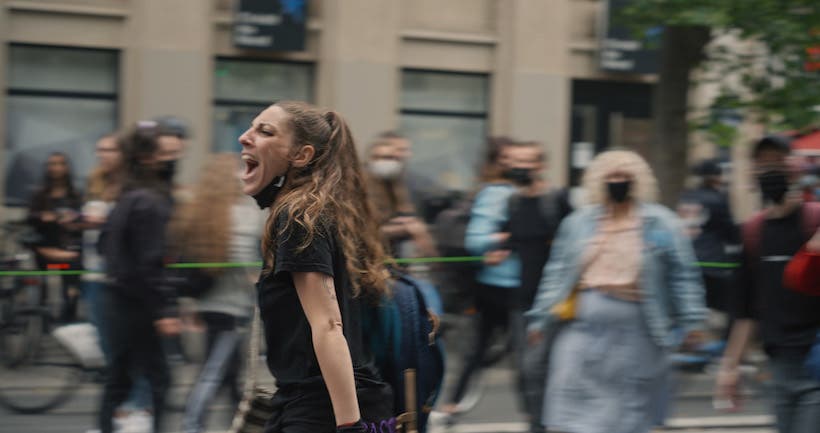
[250, 166]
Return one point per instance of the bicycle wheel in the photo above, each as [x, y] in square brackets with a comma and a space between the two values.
[19, 333]
[43, 379]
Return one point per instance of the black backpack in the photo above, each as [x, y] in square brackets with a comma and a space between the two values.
[404, 339]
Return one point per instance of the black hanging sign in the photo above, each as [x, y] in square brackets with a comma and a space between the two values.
[621, 51]
[273, 25]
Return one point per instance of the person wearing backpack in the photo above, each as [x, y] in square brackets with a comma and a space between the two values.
[498, 289]
[789, 321]
[534, 213]
[218, 224]
[140, 304]
[323, 262]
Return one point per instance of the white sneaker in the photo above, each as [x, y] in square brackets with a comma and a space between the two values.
[137, 422]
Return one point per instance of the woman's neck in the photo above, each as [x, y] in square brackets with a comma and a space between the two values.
[621, 211]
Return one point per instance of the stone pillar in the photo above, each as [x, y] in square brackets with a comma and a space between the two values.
[3, 86]
[531, 87]
[167, 69]
[358, 73]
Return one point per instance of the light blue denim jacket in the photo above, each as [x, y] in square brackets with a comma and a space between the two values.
[488, 216]
[669, 279]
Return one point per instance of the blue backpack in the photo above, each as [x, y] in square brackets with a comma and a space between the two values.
[406, 347]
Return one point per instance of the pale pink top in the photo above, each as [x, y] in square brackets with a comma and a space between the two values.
[613, 261]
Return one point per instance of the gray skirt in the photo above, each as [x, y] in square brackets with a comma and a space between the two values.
[606, 373]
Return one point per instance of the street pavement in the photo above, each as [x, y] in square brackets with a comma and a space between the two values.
[495, 412]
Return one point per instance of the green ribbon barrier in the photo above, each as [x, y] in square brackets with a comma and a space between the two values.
[226, 265]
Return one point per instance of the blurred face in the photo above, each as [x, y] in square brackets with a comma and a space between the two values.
[384, 153]
[529, 158]
[403, 149]
[108, 153]
[57, 167]
[169, 148]
[617, 177]
[266, 148]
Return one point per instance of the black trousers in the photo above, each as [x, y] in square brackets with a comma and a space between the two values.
[493, 305]
[300, 409]
[136, 349]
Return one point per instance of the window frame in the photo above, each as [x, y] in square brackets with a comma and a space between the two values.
[485, 114]
[29, 92]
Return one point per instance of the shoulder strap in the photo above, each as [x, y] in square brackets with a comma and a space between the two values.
[751, 233]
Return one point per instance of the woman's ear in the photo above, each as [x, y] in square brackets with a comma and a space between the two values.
[304, 156]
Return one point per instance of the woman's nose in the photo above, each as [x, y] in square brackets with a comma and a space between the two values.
[244, 140]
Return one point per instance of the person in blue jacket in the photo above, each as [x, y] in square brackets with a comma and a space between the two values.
[630, 267]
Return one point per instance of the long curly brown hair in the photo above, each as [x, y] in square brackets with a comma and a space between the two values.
[200, 228]
[329, 194]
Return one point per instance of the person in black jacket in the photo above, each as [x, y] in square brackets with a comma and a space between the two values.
[705, 211]
[139, 305]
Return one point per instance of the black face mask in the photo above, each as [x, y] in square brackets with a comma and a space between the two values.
[167, 170]
[267, 196]
[773, 185]
[619, 191]
[519, 176]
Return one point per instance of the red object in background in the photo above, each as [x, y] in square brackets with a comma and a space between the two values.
[807, 143]
[58, 266]
[802, 274]
[813, 62]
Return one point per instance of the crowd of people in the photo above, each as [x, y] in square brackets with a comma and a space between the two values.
[594, 295]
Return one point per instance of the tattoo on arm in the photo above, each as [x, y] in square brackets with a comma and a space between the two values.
[327, 282]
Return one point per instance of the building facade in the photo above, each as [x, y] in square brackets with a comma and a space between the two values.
[445, 73]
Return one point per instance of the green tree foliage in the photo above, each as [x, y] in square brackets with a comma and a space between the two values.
[766, 78]
[772, 82]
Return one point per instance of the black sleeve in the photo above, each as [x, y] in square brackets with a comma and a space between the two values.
[743, 291]
[726, 223]
[564, 205]
[147, 226]
[293, 255]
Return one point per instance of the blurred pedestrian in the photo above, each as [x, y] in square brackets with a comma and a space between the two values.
[498, 288]
[534, 213]
[388, 191]
[104, 186]
[624, 272]
[323, 260]
[140, 306]
[788, 320]
[219, 225]
[707, 217]
[54, 213]
[457, 281]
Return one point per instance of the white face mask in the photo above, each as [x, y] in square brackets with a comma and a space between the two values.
[386, 168]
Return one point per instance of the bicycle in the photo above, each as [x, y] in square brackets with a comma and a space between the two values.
[65, 357]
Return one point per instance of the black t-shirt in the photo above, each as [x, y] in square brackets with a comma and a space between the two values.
[789, 320]
[532, 225]
[290, 357]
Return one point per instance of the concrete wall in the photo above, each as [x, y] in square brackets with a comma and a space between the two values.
[531, 49]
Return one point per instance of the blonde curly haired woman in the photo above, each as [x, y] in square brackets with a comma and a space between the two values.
[634, 275]
[219, 224]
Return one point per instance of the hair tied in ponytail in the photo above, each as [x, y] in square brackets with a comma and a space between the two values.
[331, 117]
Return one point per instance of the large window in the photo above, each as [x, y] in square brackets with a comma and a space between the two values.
[59, 99]
[242, 88]
[445, 116]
